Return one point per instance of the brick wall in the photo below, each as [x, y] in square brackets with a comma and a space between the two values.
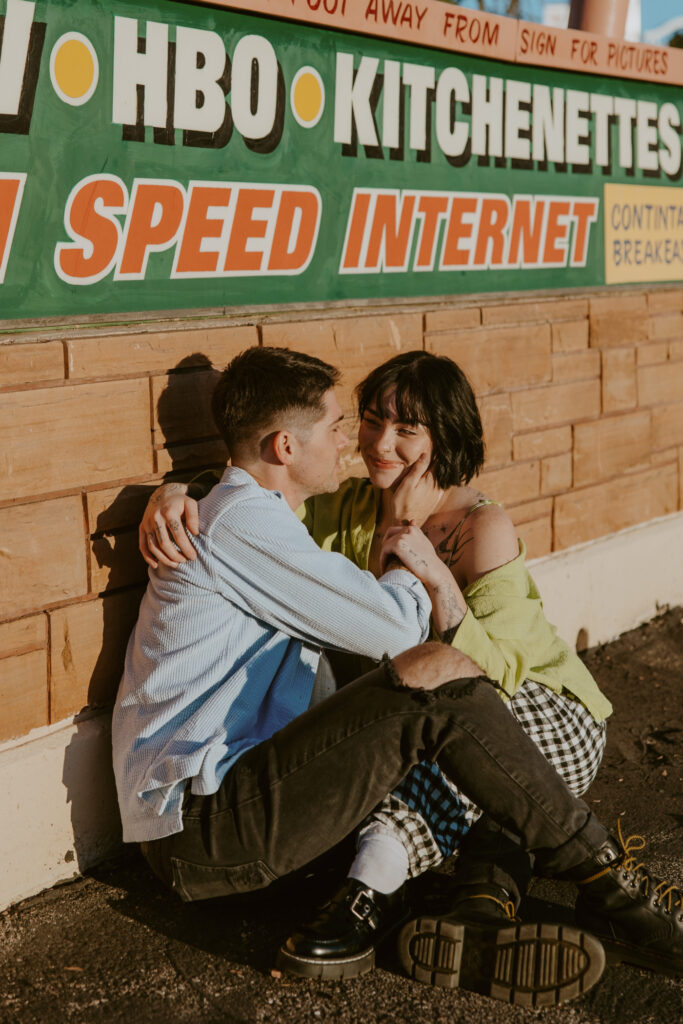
[581, 397]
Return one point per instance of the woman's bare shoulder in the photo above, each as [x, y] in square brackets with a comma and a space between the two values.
[494, 540]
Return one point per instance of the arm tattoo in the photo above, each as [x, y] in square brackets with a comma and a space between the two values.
[448, 634]
[453, 557]
[171, 488]
[454, 616]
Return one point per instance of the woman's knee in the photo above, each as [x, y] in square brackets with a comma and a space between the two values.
[431, 665]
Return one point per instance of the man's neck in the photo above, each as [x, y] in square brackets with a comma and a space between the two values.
[273, 478]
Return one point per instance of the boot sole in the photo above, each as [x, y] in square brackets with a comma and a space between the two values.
[523, 965]
[331, 970]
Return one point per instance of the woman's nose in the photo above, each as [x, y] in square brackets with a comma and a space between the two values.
[384, 441]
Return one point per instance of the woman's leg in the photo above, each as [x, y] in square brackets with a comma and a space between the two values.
[430, 818]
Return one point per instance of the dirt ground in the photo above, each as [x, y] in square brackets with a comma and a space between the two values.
[114, 947]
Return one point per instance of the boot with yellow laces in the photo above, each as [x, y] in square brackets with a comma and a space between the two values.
[637, 917]
[481, 946]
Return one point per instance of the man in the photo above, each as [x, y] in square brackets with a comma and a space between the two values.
[230, 779]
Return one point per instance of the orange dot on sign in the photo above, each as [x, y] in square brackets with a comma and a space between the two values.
[307, 97]
[74, 68]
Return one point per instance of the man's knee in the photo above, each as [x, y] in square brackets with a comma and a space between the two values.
[431, 665]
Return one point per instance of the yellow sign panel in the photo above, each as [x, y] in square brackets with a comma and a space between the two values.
[643, 233]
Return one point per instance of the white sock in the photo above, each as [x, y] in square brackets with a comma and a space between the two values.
[381, 862]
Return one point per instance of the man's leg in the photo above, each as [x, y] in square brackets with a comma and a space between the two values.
[295, 795]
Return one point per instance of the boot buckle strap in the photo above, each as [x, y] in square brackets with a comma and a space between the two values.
[363, 907]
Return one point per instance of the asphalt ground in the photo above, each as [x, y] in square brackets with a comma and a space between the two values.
[114, 946]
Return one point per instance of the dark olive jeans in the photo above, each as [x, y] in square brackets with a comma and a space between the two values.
[296, 795]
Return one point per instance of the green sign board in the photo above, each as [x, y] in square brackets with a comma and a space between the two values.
[164, 155]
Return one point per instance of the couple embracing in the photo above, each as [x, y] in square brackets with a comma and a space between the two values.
[240, 756]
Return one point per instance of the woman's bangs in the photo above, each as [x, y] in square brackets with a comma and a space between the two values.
[410, 406]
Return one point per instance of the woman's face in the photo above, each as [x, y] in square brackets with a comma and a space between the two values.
[389, 447]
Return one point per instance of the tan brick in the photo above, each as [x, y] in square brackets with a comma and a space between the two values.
[43, 554]
[355, 344]
[23, 694]
[56, 439]
[537, 536]
[540, 443]
[660, 302]
[554, 405]
[618, 302]
[576, 365]
[610, 446]
[660, 384]
[181, 404]
[30, 363]
[154, 352]
[362, 343]
[352, 464]
[513, 484]
[315, 337]
[667, 425]
[113, 508]
[618, 328]
[116, 562]
[186, 457]
[22, 635]
[525, 311]
[661, 458]
[676, 351]
[496, 418]
[666, 326]
[570, 336]
[499, 358]
[88, 647]
[646, 355]
[599, 510]
[556, 473]
[540, 508]
[457, 319]
[619, 385]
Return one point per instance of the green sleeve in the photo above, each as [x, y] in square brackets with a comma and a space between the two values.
[200, 485]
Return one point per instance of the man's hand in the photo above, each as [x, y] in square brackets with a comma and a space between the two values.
[161, 531]
[417, 495]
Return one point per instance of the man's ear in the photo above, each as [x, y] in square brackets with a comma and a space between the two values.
[282, 446]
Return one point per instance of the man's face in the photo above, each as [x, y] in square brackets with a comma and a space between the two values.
[316, 469]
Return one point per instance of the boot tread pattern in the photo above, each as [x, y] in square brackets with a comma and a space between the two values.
[524, 965]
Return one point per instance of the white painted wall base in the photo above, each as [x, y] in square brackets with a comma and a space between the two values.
[57, 806]
[608, 586]
[57, 799]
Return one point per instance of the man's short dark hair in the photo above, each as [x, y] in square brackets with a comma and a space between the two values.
[434, 391]
[260, 384]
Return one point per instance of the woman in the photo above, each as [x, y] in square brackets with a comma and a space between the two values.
[420, 437]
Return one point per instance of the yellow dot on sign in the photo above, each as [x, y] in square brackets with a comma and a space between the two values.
[74, 68]
[308, 97]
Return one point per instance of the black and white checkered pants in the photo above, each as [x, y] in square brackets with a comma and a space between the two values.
[430, 816]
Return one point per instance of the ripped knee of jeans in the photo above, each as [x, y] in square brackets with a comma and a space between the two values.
[391, 672]
[453, 688]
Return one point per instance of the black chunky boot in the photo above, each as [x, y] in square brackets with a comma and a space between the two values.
[637, 917]
[483, 904]
[482, 947]
[340, 941]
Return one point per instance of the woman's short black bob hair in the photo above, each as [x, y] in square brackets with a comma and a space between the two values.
[431, 390]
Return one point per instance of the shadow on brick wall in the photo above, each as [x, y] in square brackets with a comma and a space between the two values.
[96, 633]
[184, 434]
